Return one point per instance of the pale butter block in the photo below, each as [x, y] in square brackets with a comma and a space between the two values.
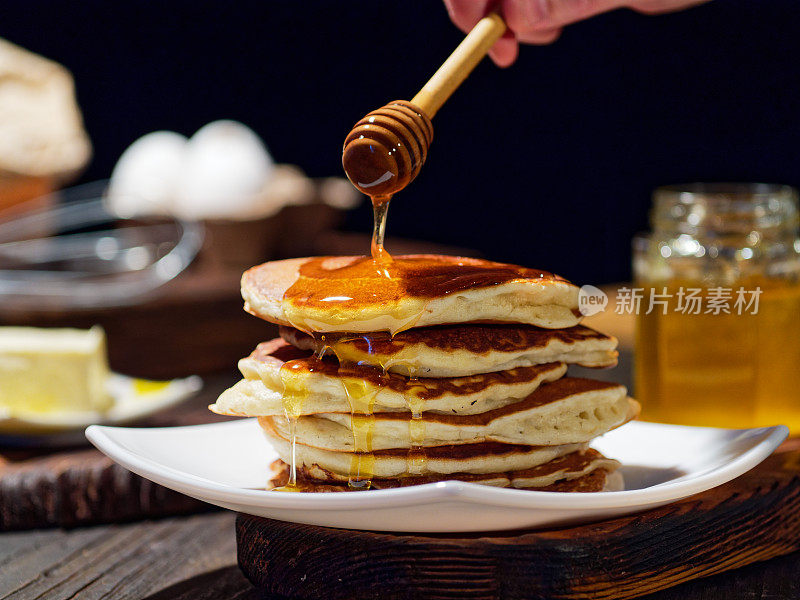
[53, 370]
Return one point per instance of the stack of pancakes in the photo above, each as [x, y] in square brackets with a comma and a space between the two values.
[474, 390]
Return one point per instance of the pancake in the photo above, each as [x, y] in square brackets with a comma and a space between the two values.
[566, 471]
[484, 457]
[567, 411]
[460, 350]
[323, 382]
[355, 294]
[598, 480]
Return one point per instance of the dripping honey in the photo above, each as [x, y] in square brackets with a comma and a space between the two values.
[379, 279]
[361, 397]
[293, 397]
[379, 166]
[380, 208]
[360, 394]
[416, 432]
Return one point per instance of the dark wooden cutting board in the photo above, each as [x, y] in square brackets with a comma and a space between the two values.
[751, 519]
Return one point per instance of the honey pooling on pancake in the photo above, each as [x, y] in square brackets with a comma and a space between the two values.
[400, 286]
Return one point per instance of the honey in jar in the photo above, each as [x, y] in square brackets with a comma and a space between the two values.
[718, 321]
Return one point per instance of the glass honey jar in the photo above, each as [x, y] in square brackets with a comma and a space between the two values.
[718, 311]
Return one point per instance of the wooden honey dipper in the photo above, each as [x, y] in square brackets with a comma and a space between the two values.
[385, 150]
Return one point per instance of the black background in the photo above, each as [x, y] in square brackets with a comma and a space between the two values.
[549, 163]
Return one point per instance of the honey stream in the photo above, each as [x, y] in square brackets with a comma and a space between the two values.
[361, 390]
[325, 300]
[382, 154]
[378, 280]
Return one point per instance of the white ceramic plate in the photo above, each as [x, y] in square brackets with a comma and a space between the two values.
[133, 399]
[227, 464]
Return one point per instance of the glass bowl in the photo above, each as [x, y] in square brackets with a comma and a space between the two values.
[69, 251]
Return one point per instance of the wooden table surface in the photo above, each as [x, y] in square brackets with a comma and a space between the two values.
[194, 558]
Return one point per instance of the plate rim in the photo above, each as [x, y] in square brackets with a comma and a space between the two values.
[44, 425]
[770, 438]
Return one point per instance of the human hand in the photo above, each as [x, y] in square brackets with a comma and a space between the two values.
[541, 21]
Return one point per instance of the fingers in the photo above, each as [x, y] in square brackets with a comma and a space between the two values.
[505, 50]
[545, 36]
[530, 18]
[529, 21]
[541, 21]
[657, 7]
[465, 13]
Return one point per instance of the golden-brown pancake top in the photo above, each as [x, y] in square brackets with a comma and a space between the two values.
[357, 293]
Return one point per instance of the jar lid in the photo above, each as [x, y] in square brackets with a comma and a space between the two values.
[725, 208]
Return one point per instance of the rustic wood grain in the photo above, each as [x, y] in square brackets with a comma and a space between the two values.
[76, 488]
[194, 558]
[190, 557]
[751, 519]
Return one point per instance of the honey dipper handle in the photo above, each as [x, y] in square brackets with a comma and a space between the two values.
[459, 64]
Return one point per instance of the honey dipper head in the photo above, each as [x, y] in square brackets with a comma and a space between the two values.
[385, 150]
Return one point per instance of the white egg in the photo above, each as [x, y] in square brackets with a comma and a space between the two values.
[145, 177]
[225, 172]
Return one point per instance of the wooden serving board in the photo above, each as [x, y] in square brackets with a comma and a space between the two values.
[81, 487]
[753, 518]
